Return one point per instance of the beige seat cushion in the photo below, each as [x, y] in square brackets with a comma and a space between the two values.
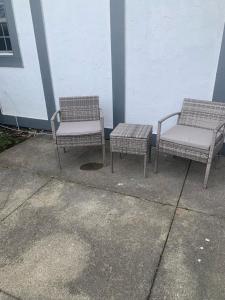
[78, 128]
[190, 136]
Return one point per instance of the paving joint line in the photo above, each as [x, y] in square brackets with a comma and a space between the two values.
[9, 295]
[167, 237]
[112, 191]
[55, 177]
[21, 168]
[202, 212]
[91, 186]
[9, 193]
[28, 198]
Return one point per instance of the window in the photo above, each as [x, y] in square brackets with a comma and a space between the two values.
[9, 46]
[5, 43]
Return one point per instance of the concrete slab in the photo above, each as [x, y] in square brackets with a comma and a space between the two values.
[15, 187]
[39, 154]
[211, 200]
[73, 242]
[36, 154]
[193, 264]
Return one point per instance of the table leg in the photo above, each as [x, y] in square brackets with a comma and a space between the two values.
[145, 164]
[112, 170]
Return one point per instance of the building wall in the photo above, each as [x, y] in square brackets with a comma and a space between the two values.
[79, 45]
[21, 90]
[172, 51]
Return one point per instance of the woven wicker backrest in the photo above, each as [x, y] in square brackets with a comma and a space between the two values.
[203, 114]
[75, 109]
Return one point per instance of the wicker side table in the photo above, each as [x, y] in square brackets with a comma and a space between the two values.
[131, 139]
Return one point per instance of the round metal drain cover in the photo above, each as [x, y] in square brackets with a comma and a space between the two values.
[91, 167]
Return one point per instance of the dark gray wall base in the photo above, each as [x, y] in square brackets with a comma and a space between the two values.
[25, 122]
[154, 137]
[107, 133]
[45, 125]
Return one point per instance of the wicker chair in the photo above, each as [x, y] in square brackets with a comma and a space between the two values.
[81, 124]
[198, 135]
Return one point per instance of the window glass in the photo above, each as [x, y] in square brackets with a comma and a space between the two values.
[2, 44]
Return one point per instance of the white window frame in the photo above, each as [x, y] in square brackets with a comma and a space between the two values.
[11, 58]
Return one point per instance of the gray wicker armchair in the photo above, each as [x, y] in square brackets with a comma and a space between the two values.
[81, 124]
[198, 135]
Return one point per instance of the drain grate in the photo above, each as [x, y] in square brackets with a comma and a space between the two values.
[91, 166]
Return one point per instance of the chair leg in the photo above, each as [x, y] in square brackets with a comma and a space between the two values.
[145, 164]
[103, 154]
[112, 170]
[207, 171]
[59, 160]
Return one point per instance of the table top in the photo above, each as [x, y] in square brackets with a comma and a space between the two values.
[132, 131]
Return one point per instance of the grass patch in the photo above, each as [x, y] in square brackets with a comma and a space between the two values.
[10, 138]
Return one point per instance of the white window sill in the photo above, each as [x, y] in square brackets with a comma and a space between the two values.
[2, 53]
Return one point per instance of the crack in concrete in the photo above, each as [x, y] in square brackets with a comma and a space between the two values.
[167, 237]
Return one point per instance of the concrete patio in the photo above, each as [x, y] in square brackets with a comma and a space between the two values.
[95, 235]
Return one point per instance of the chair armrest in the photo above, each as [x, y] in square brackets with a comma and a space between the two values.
[160, 124]
[53, 123]
[169, 116]
[54, 115]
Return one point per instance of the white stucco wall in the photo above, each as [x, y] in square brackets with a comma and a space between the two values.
[78, 38]
[172, 50]
[21, 91]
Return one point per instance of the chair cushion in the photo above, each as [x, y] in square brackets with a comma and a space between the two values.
[190, 136]
[78, 128]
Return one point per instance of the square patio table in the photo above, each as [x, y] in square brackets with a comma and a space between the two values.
[131, 139]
